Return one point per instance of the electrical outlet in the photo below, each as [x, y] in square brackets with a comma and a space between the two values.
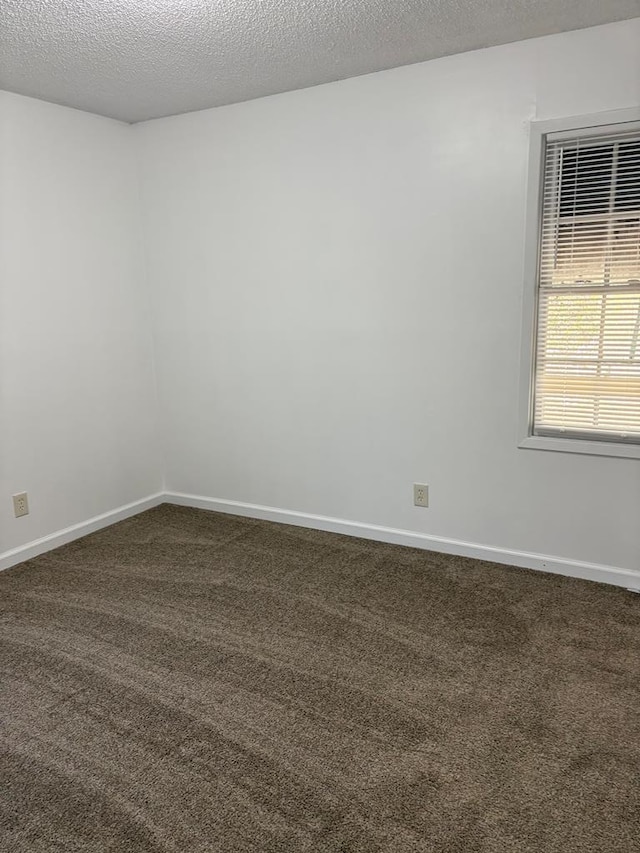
[420, 494]
[20, 505]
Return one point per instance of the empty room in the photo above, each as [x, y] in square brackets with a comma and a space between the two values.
[319, 426]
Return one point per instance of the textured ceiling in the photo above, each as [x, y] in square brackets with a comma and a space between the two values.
[139, 59]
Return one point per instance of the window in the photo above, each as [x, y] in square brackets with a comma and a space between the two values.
[583, 374]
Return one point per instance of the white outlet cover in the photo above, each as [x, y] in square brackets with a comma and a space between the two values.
[420, 494]
[20, 504]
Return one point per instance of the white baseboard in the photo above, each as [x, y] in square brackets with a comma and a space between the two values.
[522, 559]
[76, 531]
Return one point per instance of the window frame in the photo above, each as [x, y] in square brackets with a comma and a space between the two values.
[538, 130]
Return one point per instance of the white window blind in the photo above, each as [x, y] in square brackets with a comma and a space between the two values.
[587, 365]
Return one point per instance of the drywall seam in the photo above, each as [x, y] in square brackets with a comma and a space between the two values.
[148, 292]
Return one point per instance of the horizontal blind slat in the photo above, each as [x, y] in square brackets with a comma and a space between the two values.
[587, 366]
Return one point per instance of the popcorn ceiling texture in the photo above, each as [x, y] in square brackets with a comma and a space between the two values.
[140, 59]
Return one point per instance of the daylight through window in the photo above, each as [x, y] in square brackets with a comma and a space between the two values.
[587, 366]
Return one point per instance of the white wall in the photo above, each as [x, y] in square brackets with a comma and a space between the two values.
[338, 277]
[77, 397]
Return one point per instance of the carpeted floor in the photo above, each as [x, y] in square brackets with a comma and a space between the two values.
[187, 681]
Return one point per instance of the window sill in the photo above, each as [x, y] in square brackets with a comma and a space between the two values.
[574, 445]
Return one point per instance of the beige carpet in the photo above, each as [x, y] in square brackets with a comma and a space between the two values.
[187, 681]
